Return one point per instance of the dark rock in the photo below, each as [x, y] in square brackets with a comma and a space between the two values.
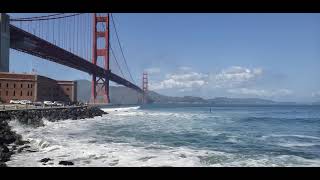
[21, 142]
[66, 163]
[4, 157]
[29, 150]
[44, 160]
[4, 149]
[2, 164]
[22, 148]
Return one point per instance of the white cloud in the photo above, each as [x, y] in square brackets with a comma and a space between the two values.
[181, 81]
[233, 80]
[229, 77]
[153, 70]
[260, 92]
[234, 76]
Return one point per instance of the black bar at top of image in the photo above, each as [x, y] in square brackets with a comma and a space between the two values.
[158, 6]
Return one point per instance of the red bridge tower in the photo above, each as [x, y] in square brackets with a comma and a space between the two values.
[100, 85]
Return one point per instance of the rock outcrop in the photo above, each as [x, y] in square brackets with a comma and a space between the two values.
[34, 118]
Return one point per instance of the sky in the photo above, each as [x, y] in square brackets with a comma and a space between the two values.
[270, 56]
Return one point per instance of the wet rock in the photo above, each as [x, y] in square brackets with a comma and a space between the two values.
[183, 156]
[34, 117]
[20, 149]
[29, 150]
[66, 163]
[21, 142]
[4, 149]
[44, 160]
[2, 164]
[7, 137]
[5, 156]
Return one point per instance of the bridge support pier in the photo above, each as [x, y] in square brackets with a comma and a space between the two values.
[4, 42]
[145, 88]
[100, 85]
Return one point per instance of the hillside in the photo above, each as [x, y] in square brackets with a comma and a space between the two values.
[123, 95]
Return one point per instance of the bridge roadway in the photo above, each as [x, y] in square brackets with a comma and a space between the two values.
[26, 42]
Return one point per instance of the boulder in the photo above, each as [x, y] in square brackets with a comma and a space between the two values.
[2, 164]
[44, 160]
[66, 163]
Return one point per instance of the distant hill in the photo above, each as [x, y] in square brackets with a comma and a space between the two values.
[124, 95]
[118, 94]
[225, 100]
[158, 98]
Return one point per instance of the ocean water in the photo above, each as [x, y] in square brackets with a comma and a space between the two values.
[180, 136]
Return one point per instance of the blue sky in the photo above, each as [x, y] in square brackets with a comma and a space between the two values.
[272, 56]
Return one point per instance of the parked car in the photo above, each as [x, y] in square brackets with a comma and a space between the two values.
[14, 101]
[48, 103]
[59, 103]
[24, 102]
[37, 103]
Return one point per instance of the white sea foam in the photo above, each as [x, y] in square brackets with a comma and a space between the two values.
[111, 109]
[297, 144]
[265, 161]
[291, 135]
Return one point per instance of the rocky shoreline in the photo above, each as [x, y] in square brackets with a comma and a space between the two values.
[11, 142]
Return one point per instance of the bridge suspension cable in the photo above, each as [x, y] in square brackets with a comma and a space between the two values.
[44, 19]
[113, 22]
[37, 17]
[113, 54]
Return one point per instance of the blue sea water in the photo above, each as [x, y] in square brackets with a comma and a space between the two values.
[162, 135]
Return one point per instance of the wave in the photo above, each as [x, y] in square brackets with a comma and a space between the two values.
[298, 144]
[120, 109]
[268, 161]
[291, 135]
[282, 119]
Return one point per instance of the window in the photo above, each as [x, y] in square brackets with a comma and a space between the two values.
[7, 85]
[21, 93]
[0, 85]
[28, 93]
[14, 85]
[6, 93]
[21, 85]
[67, 89]
[14, 93]
[28, 85]
[31, 93]
[31, 85]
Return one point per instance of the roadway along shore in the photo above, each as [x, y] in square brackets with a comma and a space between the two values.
[11, 143]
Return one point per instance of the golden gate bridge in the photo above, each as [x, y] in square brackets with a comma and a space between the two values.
[78, 40]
